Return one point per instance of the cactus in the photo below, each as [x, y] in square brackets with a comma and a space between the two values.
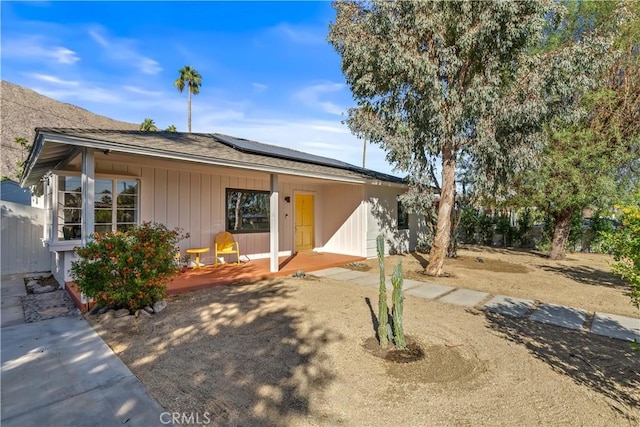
[398, 306]
[383, 321]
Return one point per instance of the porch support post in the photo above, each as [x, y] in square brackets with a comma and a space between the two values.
[88, 194]
[274, 233]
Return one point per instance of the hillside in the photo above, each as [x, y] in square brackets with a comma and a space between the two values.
[22, 110]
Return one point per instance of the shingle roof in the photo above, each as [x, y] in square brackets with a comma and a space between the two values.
[53, 145]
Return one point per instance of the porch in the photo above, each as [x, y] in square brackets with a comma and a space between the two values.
[208, 276]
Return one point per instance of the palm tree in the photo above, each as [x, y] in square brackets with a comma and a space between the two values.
[190, 78]
[171, 128]
[148, 125]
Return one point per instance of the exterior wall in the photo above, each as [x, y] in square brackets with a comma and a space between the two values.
[192, 197]
[22, 249]
[342, 219]
[382, 218]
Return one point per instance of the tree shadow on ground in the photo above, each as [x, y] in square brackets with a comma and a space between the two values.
[244, 355]
[422, 260]
[606, 365]
[503, 250]
[587, 276]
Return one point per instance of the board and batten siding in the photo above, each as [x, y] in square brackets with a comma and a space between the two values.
[192, 196]
[342, 223]
[382, 218]
[22, 247]
[195, 202]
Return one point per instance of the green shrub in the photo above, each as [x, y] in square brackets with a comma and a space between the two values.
[624, 244]
[469, 218]
[131, 269]
[486, 228]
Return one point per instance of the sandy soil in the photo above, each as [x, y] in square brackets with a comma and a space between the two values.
[292, 352]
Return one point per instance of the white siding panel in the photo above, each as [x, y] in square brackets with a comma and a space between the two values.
[172, 195]
[341, 221]
[160, 196]
[382, 218]
[147, 191]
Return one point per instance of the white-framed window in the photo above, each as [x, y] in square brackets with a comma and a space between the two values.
[403, 217]
[247, 211]
[116, 205]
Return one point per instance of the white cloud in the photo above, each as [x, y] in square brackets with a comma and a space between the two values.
[55, 80]
[35, 47]
[310, 96]
[300, 34]
[98, 38]
[91, 94]
[139, 91]
[259, 87]
[64, 55]
[149, 66]
[124, 51]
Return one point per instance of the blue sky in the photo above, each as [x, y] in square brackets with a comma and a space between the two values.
[268, 72]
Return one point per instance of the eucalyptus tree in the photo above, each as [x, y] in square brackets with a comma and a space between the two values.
[592, 145]
[148, 125]
[192, 80]
[434, 80]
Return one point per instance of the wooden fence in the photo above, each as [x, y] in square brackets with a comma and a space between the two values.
[22, 250]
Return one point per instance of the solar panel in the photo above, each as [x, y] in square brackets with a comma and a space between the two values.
[254, 147]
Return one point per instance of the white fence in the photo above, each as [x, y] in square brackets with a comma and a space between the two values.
[22, 250]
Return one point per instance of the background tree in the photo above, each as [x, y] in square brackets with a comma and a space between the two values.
[591, 146]
[171, 128]
[192, 80]
[436, 79]
[148, 125]
[24, 150]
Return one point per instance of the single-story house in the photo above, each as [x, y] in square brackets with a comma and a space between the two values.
[276, 201]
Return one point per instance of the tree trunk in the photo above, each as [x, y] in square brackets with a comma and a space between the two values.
[189, 108]
[443, 227]
[561, 229]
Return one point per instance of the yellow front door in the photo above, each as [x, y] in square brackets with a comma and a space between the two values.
[304, 222]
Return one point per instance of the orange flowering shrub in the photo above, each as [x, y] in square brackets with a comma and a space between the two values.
[131, 269]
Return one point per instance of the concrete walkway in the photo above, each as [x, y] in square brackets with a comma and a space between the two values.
[609, 325]
[59, 372]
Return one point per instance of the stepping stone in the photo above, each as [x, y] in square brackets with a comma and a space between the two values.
[369, 280]
[410, 284]
[559, 315]
[464, 297]
[429, 290]
[509, 306]
[614, 326]
[348, 275]
[329, 271]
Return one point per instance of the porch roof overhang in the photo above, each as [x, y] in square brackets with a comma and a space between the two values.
[53, 148]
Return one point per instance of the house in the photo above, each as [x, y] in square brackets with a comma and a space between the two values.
[276, 201]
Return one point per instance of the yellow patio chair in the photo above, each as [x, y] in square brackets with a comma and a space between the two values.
[226, 244]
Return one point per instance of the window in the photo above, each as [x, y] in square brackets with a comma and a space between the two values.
[403, 217]
[110, 214]
[247, 211]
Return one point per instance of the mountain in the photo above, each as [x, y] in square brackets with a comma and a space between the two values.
[22, 110]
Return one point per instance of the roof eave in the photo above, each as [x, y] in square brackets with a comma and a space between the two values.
[42, 137]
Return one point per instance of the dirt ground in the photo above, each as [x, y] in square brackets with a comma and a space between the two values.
[293, 352]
